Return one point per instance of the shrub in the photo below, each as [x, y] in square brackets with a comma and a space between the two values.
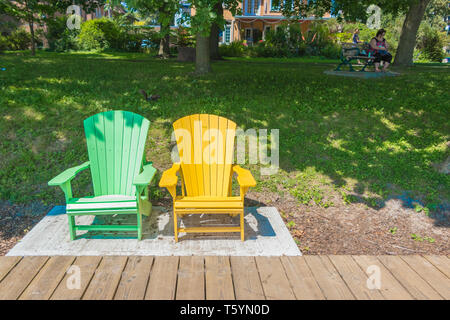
[343, 37]
[265, 50]
[277, 38]
[331, 51]
[285, 41]
[184, 37]
[19, 40]
[318, 35]
[3, 43]
[99, 34]
[59, 37]
[234, 49]
[431, 44]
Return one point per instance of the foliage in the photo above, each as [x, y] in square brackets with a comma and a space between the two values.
[36, 12]
[287, 40]
[436, 11]
[3, 43]
[98, 34]
[184, 37]
[430, 43]
[8, 24]
[17, 40]
[59, 37]
[165, 9]
[104, 33]
[233, 49]
[331, 51]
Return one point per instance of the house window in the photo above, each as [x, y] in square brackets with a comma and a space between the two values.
[275, 5]
[251, 7]
[227, 34]
[248, 35]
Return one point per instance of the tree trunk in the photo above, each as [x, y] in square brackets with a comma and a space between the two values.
[164, 49]
[214, 36]
[407, 43]
[202, 55]
[33, 43]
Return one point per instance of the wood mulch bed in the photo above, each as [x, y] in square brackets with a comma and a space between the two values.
[341, 229]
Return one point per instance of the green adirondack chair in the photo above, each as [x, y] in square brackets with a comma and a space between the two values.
[115, 143]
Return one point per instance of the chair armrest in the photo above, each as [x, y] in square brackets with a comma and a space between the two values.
[68, 175]
[146, 176]
[244, 178]
[169, 177]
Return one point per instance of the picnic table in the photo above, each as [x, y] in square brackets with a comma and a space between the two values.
[355, 51]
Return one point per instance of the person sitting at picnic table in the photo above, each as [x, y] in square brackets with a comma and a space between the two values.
[355, 39]
[379, 49]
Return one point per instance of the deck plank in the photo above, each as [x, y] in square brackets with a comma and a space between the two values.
[106, 278]
[328, 278]
[246, 281]
[222, 277]
[301, 278]
[430, 274]
[48, 278]
[415, 285]
[390, 288]
[440, 262]
[191, 279]
[275, 283]
[6, 264]
[68, 288]
[355, 278]
[20, 276]
[133, 282]
[218, 280]
[163, 279]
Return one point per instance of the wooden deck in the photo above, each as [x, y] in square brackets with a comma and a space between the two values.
[218, 277]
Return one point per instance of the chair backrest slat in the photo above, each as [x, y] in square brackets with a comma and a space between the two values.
[206, 148]
[115, 142]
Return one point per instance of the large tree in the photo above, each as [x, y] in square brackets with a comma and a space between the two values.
[164, 11]
[407, 43]
[206, 15]
[214, 35]
[357, 10]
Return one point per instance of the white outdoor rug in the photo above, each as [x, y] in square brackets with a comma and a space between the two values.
[265, 234]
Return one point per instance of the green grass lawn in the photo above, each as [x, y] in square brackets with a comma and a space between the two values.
[358, 139]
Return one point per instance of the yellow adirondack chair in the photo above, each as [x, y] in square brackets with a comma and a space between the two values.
[206, 148]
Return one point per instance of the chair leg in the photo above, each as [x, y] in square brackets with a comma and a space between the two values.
[175, 225]
[72, 231]
[139, 225]
[242, 226]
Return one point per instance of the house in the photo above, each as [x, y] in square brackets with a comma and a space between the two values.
[258, 17]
